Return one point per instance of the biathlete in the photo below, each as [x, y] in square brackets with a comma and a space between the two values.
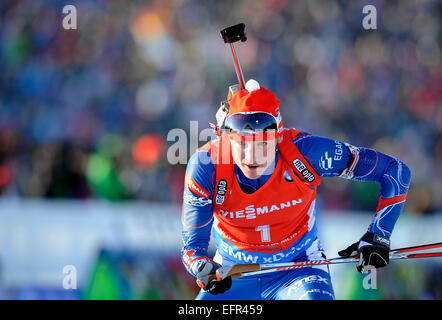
[255, 187]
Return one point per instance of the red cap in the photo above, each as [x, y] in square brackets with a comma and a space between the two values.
[258, 100]
[255, 99]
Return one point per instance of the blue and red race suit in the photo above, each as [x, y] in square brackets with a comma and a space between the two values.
[272, 218]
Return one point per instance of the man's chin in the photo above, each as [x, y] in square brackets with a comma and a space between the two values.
[253, 173]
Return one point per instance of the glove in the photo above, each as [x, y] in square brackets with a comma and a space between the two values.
[214, 287]
[373, 250]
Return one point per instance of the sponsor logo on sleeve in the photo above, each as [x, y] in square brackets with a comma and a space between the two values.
[326, 162]
[193, 200]
[195, 187]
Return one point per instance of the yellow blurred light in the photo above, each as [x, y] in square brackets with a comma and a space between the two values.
[147, 25]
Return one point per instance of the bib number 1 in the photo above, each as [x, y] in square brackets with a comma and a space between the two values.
[265, 232]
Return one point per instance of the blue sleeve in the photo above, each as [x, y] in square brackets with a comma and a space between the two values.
[197, 213]
[394, 176]
[332, 158]
[327, 156]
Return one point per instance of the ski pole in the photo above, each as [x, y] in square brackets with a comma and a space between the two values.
[240, 270]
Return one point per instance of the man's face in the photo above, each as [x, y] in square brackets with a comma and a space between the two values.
[253, 157]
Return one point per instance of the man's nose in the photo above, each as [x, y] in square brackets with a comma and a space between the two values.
[249, 154]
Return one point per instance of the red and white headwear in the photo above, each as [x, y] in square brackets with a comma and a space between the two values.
[252, 108]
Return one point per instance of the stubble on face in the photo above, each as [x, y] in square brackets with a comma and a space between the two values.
[253, 157]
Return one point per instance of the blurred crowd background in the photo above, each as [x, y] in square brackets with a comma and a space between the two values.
[85, 113]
